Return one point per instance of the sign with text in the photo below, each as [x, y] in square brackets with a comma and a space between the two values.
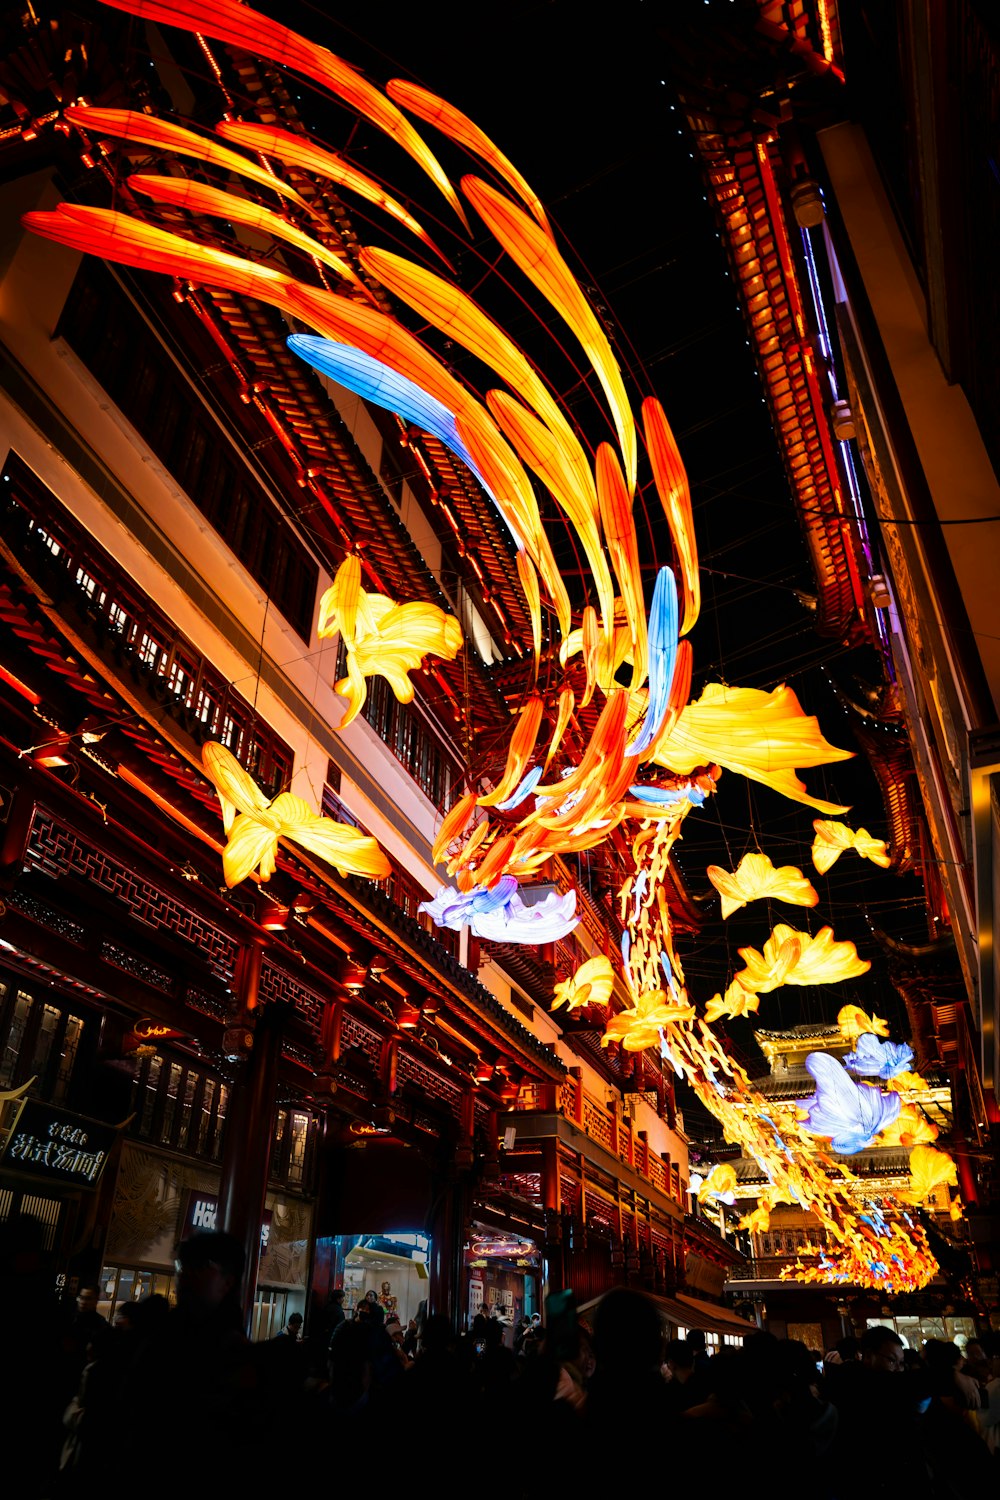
[54, 1144]
[203, 1214]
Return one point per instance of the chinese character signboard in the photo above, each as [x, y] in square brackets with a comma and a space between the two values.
[52, 1143]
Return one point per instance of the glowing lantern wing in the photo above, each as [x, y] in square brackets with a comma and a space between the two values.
[929, 1170]
[297, 151]
[338, 610]
[831, 839]
[353, 687]
[459, 128]
[522, 744]
[662, 645]
[453, 825]
[675, 496]
[875, 1059]
[129, 242]
[822, 959]
[529, 583]
[163, 135]
[770, 970]
[532, 250]
[251, 844]
[350, 851]
[719, 1184]
[238, 25]
[619, 529]
[238, 792]
[763, 736]
[457, 316]
[854, 1022]
[756, 878]
[590, 985]
[198, 197]
[851, 1114]
[564, 470]
[871, 848]
[563, 716]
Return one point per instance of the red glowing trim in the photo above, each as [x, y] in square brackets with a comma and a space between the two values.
[19, 687]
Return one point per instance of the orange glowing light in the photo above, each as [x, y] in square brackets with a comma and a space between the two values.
[162, 135]
[672, 487]
[240, 26]
[532, 250]
[297, 151]
[458, 127]
[199, 198]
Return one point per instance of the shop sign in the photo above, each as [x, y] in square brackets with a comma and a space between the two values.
[203, 1216]
[146, 1033]
[58, 1146]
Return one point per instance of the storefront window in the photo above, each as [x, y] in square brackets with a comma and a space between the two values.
[130, 1284]
[149, 1100]
[915, 1331]
[47, 1026]
[504, 1275]
[392, 1267]
[297, 1151]
[67, 1058]
[15, 1037]
[170, 1104]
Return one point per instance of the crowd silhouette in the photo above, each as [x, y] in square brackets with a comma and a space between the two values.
[174, 1395]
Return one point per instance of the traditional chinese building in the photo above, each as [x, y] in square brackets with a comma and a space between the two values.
[846, 176]
[367, 1101]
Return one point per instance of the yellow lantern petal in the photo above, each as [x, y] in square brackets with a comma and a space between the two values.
[833, 838]
[251, 843]
[763, 736]
[821, 960]
[929, 1170]
[755, 879]
[238, 792]
[350, 851]
[854, 1023]
[591, 984]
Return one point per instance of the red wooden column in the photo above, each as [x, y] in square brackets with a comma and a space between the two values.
[552, 1204]
[246, 1153]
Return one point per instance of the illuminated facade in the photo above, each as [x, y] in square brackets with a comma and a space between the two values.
[389, 1101]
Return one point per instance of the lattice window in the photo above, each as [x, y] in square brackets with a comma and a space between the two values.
[355, 1034]
[278, 985]
[56, 850]
[431, 1085]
